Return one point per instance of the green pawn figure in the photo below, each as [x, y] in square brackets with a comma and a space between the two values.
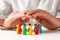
[40, 29]
[24, 30]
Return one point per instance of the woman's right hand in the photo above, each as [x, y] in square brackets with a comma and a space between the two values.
[14, 19]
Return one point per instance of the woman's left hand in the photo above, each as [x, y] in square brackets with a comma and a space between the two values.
[45, 18]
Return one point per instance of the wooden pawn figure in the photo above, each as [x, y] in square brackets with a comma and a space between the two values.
[30, 29]
[40, 29]
[18, 29]
[36, 29]
[24, 30]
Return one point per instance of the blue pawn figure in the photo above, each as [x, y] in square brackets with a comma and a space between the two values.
[40, 29]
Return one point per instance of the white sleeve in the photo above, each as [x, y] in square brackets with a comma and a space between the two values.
[58, 11]
[49, 5]
[5, 8]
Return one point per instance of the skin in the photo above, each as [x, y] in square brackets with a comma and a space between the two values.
[14, 19]
[2, 19]
[42, 16]
[45, 18]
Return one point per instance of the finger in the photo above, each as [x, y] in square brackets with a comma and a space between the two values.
[43, 22]
[16, 11]
[24, 21]
[26, 14]
[33, 11]
[17, 16]
[48, 25]
[41, 16]
[13, 13]
[26, 11]
[37, 18]
[41, 12]
[46, 22]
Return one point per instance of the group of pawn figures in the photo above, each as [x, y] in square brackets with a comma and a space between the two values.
[37, 29]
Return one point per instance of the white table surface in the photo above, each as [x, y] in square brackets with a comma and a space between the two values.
[46, 35]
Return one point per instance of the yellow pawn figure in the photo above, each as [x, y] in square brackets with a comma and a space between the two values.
[18, 29]
[30, 29]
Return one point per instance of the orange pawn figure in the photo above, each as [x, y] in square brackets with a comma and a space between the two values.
[18, 29]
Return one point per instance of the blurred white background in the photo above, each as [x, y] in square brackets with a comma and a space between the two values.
[58, 15]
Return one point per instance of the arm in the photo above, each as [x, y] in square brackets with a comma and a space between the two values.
[2, 19]
[59, 21]
[5, 10]
[1, 22]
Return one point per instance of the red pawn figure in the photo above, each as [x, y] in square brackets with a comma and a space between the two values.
[18, 29]
[36, 29]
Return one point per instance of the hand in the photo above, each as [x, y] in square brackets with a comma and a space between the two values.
[45, 18]
[14, 19]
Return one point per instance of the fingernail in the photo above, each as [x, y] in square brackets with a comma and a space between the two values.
[23, 18]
